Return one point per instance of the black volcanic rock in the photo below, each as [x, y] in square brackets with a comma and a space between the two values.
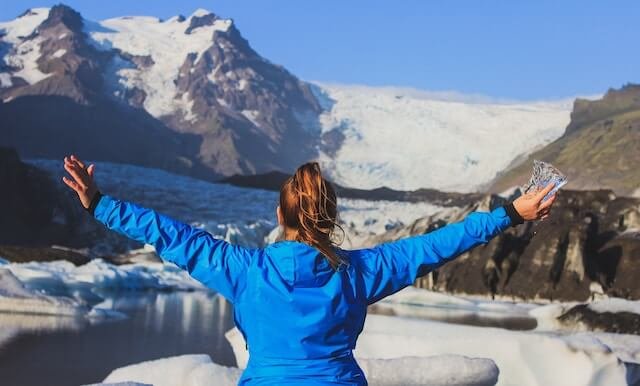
[590, 239]
[200, 21]
[62, 14]
[26, 210]
[615, 322]
[42, 219]
[274, 180]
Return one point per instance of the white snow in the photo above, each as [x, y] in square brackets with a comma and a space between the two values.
[15, 298]
[200, 12]
[362, 219]
[62, 36]
[222, 102]
[523, 358]
[168, 46]
[187, 107]
[98, 275]
[406, 139]
[615, 305]
[59, 53]
[252, 116]
[17, 29]
[27, 52]
[25, 58]
[5, 79]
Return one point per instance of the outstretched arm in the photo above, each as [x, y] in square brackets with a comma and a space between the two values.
[214, 262]
[391, 266]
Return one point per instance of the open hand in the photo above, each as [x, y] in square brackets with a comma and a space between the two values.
[531, 207]
[82, 182]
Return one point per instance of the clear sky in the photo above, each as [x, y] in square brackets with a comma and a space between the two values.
[508, 49]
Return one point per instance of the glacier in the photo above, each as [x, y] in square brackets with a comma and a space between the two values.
[408, 139]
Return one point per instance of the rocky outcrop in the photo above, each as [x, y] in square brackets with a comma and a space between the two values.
[599, 149]
[41, 220]
[615, 322]
[591, 240]
[253, 116]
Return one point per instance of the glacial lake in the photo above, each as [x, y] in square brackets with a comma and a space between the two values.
[65, 351]
[68, 351]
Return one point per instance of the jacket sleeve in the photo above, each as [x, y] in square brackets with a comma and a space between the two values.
[216, 263]
[391, 266]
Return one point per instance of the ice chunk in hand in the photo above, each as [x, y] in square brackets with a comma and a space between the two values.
[544, 174]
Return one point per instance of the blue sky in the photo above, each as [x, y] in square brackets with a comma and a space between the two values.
[506, 49]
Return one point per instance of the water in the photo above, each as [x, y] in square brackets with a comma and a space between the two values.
[458, 315]
[68, 351]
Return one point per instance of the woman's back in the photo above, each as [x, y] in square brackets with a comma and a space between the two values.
[299, 316]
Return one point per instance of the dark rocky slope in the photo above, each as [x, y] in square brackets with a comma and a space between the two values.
[274, 180]
[590, 242]
[38, 213]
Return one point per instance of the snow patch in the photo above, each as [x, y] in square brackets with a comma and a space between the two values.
[615, 305]
[200, 12]
[25, 58]
[168, 46]
[16, 30]
[59, 53]
[98, 275]
[5, 79]
[252, 116]
[363, 219]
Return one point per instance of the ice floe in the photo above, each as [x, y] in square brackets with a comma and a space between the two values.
[445, 370]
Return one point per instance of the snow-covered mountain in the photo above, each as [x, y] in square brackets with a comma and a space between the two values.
[194, 82]
[190, 95]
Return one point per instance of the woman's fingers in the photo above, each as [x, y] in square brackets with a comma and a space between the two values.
[71, 184]
[548, 203]
[541, 194]
[77, 176]
[91, 169]
[76, 159]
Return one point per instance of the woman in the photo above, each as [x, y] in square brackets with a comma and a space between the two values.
[300, 303]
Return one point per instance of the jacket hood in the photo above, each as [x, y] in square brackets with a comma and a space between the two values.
[299, 264]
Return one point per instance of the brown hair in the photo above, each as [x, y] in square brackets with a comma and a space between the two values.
[308, 205]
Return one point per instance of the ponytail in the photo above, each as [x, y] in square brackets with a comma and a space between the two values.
[308, 205]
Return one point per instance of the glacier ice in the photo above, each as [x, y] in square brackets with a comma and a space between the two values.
[544, 174]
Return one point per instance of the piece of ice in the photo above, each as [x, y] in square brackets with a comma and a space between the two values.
[443, 370]
[544, 174]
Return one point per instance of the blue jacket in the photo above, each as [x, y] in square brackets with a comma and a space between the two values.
[300, 318]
